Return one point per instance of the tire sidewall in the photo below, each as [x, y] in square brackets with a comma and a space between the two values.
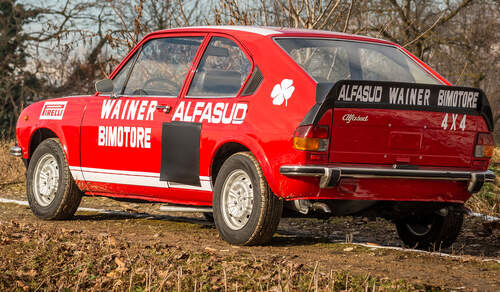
[443, 233]
[53, 147]
[243, 235]
[420, 240]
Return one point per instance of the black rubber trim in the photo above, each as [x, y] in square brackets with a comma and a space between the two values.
[477, 182]
[322, 90]
[328, 99]
[254, 83]
[312, 114]
[334, 179]
[302, 171]
[490, 177]
[180, 153]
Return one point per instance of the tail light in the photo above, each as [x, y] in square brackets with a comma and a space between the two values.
[311, 138]
[314, 137]
[485, 145]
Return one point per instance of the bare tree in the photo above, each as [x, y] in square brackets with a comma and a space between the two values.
[309, 14]
[83, 40]
[411, 23]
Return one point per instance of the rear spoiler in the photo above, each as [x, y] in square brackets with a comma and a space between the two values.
[399, 96]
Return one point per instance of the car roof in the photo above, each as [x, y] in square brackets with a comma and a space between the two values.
[266, 31]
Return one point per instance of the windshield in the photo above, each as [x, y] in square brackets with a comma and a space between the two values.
[327, 60]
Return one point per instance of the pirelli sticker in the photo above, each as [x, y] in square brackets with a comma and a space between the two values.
[53, 110]
[394, 95]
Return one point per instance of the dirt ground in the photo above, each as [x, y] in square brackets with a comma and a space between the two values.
[318, 246]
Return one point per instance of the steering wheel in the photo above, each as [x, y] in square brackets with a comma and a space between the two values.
[158, 79]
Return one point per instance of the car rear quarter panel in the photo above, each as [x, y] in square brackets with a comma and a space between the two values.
[268, 129]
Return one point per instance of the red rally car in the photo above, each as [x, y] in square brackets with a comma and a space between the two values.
[256, 123]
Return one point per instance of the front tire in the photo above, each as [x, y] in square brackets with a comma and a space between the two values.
[246, 212]
[433, 231]
[52, 193]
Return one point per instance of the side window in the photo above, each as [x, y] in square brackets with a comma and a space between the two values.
[222, 70]
[162, 66]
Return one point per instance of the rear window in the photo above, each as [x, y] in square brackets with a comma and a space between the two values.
[328, 60]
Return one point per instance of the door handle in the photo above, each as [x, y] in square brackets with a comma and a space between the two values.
[164, 108]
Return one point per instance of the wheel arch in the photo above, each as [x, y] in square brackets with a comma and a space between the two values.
[42, 133]
[37, 137]
[225, 149]
[222, 153]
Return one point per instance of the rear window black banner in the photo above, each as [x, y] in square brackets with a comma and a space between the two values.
[402, 96]
[410, 96]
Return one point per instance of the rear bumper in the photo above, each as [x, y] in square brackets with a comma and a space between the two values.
[330, 176]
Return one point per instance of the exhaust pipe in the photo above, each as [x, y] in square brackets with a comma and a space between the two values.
[304, 206]
[319, 206]
[443, 212]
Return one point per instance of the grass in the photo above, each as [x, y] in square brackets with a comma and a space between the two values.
[487, 201]
[12, 168]
[36, 258]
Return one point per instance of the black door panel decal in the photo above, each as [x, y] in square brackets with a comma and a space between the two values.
[180, 153]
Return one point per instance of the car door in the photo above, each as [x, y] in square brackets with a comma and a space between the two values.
[122, 133]
[212, 109]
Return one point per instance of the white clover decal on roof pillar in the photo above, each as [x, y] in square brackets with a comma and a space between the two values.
[282, 92]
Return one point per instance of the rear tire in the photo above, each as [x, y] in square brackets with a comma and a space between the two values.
[431, 232]
[52, 193]
[246, 212]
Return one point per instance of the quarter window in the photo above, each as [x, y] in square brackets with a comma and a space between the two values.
[222, 70]
[121, 77]
[162, 66]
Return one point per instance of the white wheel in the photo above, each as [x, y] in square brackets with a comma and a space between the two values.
[237, 198]
[51, 191]
[46, 180]
[246, 212]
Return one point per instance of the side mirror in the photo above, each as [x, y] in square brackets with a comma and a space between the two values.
[104, 86]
